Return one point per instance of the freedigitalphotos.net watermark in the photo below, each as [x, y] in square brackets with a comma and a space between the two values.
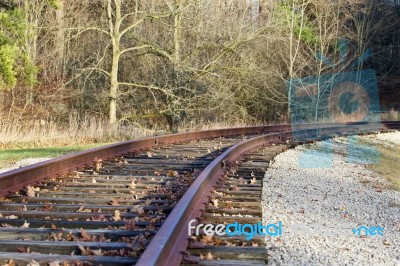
[236, 229]
[278, 230]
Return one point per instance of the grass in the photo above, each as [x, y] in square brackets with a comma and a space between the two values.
[9, 157]
[389, 166]
[46, 138]
[16, 134]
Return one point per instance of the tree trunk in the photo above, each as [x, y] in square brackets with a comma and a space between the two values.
[115, 36]
[60, 39]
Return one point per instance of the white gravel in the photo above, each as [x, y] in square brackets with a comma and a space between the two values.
[320, 207]
[23, 163]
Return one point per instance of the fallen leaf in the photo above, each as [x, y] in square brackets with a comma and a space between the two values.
[23, 249]
[137, 209]
[148, 202]
[11, 217]
[132, 184]
[9, 263]
[94, 180]
[253, 181]
[173, 173]
[117, 216]
[207, 239]
[114, 202]
[84, 252]
[215, 202]
[130, 225]
[209, 256]
[35, 263]
[25, 225]
[84, 234]
[235, 188]
[30, 192]
[97, 252]
[54, 263]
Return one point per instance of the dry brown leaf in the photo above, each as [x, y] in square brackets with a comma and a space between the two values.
[23, 249]
[83, 251]
[54, 227]
[254, 244]
[209, 256]
[207, 239]
[48, 207]
[25, 225]
[235, 188]
[94, 180]
[137, 209]
[130, 225]
[149, 154]
[215, 202]
[35, 263]
[114, 202]
[92, 191]
[97, 252]
[117, 216]
[30, 192]
[241, 180]
[9, 263]
[54, 263]
[84, 234]
[148, 202]
[11, 217]
[173, 173]
[132, 184]
[253, 181]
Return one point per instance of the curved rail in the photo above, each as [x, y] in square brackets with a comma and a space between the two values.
[14, 180]
[168, 245]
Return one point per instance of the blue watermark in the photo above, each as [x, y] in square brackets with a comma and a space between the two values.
[236, 229]
[339, 96]
[249, 231]
[368, 231]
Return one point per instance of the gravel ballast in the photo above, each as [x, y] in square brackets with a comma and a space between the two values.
[320, 207]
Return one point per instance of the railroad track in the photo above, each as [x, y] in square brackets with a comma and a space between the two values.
[228, 191]
[108, 205]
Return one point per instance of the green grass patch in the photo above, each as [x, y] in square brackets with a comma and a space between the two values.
[8, 157]
[389, 166]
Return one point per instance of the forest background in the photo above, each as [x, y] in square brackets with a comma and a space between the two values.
[84, 71]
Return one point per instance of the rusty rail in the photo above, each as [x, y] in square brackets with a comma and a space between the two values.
[14, 180]
[168, 245]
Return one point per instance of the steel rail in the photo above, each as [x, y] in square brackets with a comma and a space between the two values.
[16, 179]
[168, 245]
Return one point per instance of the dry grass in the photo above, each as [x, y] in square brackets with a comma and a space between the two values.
[15, 134]
[39, 133]
[389, 166]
